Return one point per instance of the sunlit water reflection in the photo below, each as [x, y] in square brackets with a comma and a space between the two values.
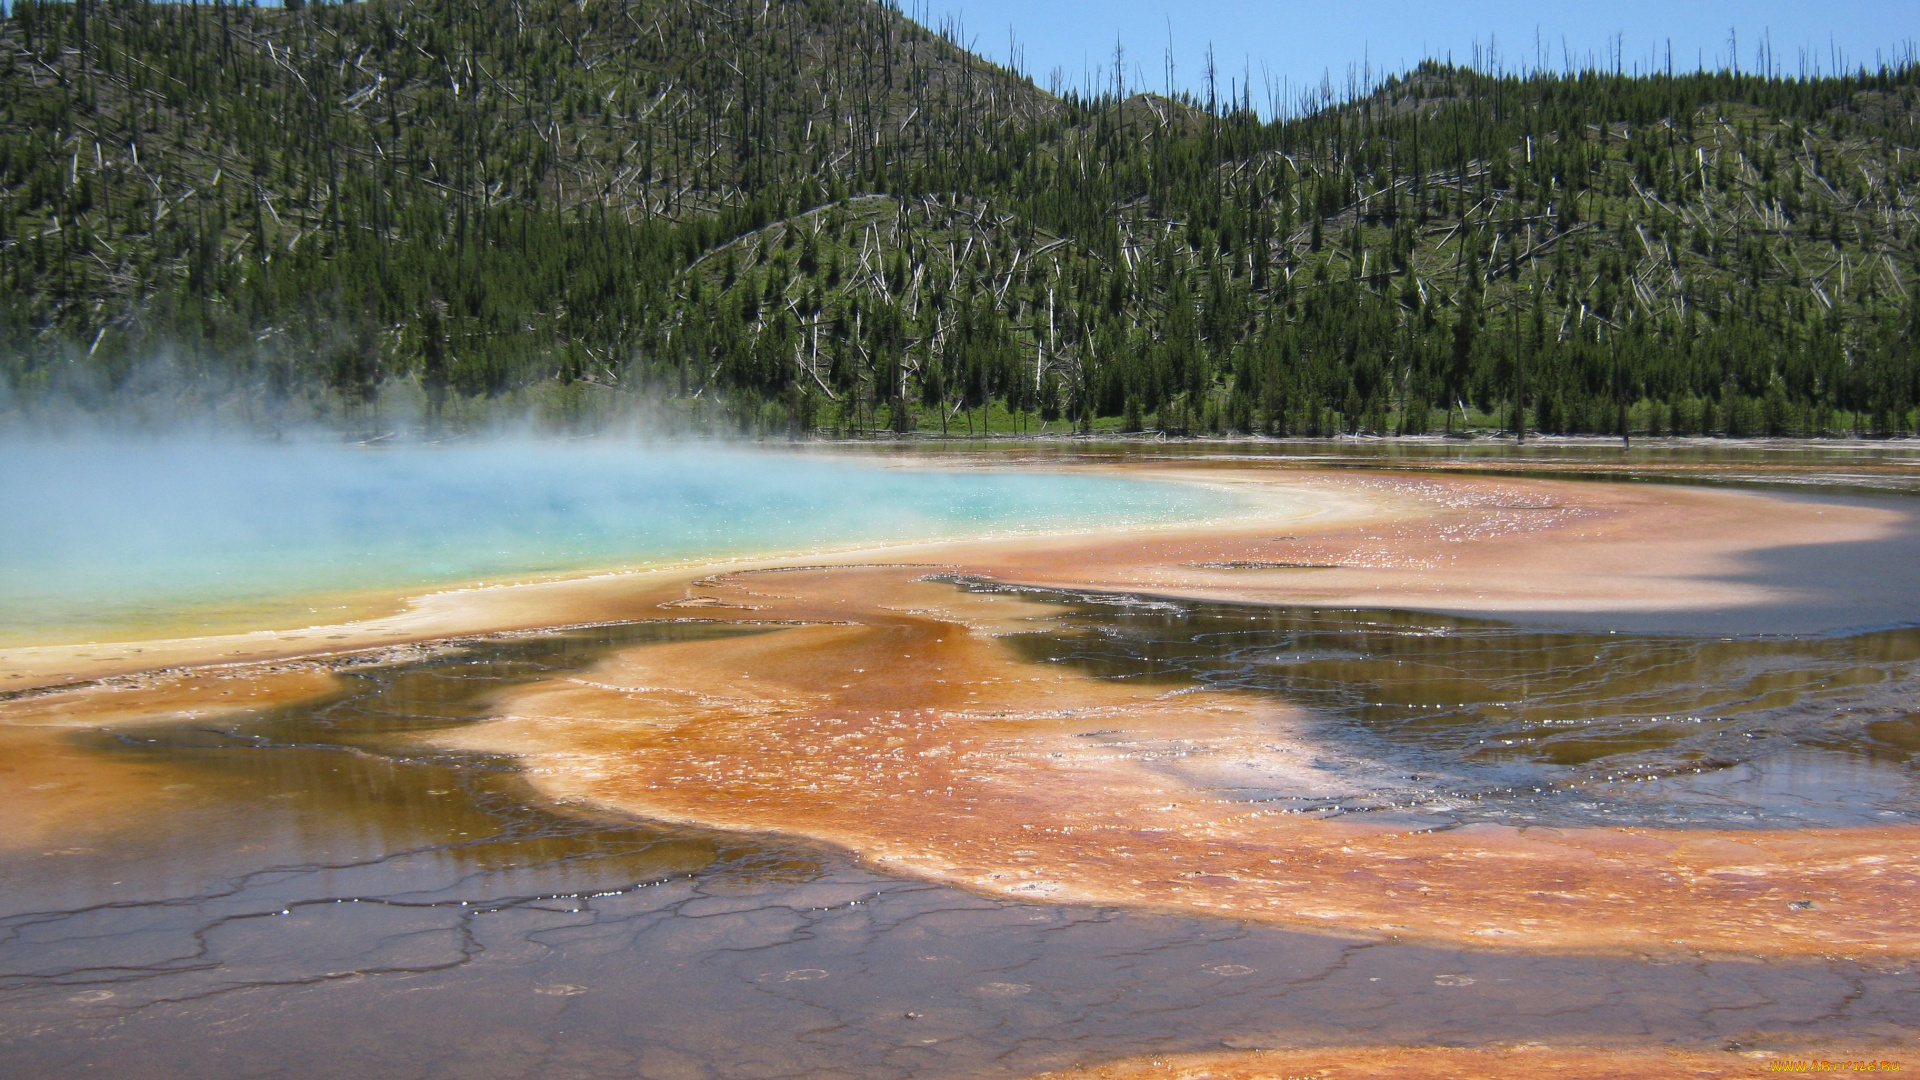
[1432, 720]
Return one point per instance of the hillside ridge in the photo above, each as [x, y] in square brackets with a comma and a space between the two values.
[815, 216]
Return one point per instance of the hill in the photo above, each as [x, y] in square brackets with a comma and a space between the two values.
[819, 216]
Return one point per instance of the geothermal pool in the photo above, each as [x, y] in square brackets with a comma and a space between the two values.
[103, 538]
[998, 807]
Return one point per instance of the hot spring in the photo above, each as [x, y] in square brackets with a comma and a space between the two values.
[112, 539]
[1176, 751]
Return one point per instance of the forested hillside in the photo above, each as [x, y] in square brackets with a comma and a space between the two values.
[778, 216]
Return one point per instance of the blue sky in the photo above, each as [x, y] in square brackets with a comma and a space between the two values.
[1295, 42]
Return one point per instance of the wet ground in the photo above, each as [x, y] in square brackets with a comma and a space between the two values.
[1433, 721]
[1825, 465]
[337, 900]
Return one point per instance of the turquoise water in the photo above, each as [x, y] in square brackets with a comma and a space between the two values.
[105, 537]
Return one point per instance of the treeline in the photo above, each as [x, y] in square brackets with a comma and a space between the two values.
[818, 216]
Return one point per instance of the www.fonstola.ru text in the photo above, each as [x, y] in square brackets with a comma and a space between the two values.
[1834, 1066]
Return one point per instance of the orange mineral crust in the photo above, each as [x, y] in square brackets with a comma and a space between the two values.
[60, 793]
[882, 711]
[1436, 1063]
[161, 696]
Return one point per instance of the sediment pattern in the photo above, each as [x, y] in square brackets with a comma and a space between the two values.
[928, 711]
[894, 721]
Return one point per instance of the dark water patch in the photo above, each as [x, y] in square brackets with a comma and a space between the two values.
[848, 975]
[1901, 736]
[1455, 720]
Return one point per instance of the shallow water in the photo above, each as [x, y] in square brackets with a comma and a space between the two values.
[1435, 720]
[341, 902]
[1829, 465]
[110, 539]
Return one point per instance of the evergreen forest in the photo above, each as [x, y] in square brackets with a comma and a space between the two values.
[819, 217]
